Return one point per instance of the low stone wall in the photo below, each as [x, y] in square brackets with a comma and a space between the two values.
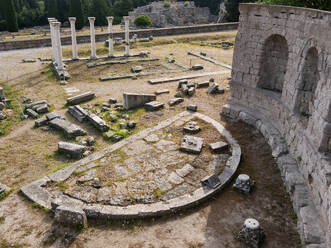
[281, 85]
[156, 32]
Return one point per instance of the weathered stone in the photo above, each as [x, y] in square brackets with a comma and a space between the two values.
[69, 129]
[152, 138]
[211, 181]
[32, 113]
[105, 109]
[184, 89]
[203, 84]
[78, 113]
[70, 216]
[42, 109]
[131, 124]
[179, 94]
[3, 188]
[108, 134]
[176, 101]
[81, 98]
[136, 69]
[112, 101]
[218, 146]
[113, 118]
[153, 106]
[182, 82]
[192, 107]
[191, 84]
[96, 121]
[2, 94]
[192, 127]
[137, 100]
[123, 125]
[3, 116]
[187, 169]
[213, 89]
[160, 92]
[31, 105]
[243, 184]
[116, 138]
[41, 122]
[175, 179]
[74, 150]
[192, 144]
[252, 235]
[90, 140]
[197, 67]
[54, 115]
[191, 91]
[2, 106]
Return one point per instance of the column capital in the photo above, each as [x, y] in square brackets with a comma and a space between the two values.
[56, 25]
[72, 19]
[110, 19]
[51, 20]
[91, 19]
[126, 18]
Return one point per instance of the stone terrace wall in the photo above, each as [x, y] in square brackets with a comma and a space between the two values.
[66, 40]
[281, 83]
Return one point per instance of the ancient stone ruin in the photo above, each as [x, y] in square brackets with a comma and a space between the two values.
[281, 85]
[174, 14]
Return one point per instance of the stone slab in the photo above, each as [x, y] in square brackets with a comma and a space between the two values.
[70, 130]
[74, 150]
[192, 144]
[81, 98]
[153, 106]
[133, 100]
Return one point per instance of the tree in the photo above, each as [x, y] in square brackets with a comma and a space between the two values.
[11, 16]
[99, 9]
[52, 10]
[232, 9]
[122, 7]
[76, 10]
[142, 21]
[315, 4]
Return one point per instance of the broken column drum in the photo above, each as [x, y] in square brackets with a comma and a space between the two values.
[243, 184]
[92, 35]
[252, 235]
[110, 35]
[127, 35]
[72, 21]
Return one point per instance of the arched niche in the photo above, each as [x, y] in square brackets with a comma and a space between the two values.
[273, 64]
[304, 105]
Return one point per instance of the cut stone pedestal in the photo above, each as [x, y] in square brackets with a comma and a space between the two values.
[70, 216]
[243, 184]
[191, 144]
[252, 235]
[176, 101]
[132, 100]
[218, 147]
[192, 127]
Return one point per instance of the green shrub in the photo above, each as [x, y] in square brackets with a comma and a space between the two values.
[3, 25]
[142, 21]
[166, 5]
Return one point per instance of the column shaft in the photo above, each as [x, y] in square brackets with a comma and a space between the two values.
[73, 37]
[92, 34]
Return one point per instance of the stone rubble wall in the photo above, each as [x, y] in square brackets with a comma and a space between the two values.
[156, 32]
[178, 14]
[275, 71]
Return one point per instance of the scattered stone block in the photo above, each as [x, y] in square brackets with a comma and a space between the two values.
[192, 127]
[73, 150]
[70, 216]
[113, 118]
[203, 84]
[197, 67]
[32, 105]
[118, 106]
[220, 91]
[3, 188]
[42, 109]
[108, 134]
[3, 116]
[2, 106]
[32, 113]
[211, 181]
[213, 89]
[54, 115]
[218, 146]
[136, 69]
[251, 235]
[176, 101]
[184, 89]
[187, 169]
[41, 122]
[179, 94]
[182, 82]
[81, 98]
[90, 141]
[152, 138]
[191, 84]
[28, 60]
[243, 184]
[160, 92]
[123, 125]
[2, 94]
[153, 106]
[192, 107]
[69, 129]
[132, 124]
[117, 137]
[175, 179]
[191, 144]
[112, 101]
[78, 113]
[99, 123]
[191, 91]
[132, 100]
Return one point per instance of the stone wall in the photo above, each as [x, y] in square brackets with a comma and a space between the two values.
[156, 32]
[177, 14]
[281, 84]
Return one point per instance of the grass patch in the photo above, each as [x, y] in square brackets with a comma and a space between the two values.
[59, 168]
[5, 194]
[61, 186]
[38, 206]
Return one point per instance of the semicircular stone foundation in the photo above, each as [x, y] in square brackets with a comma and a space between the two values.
[144, 175]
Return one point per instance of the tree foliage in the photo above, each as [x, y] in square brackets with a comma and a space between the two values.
[142, 21]
[10, 15]
[76, 10]
[100, 10]
[315, 4]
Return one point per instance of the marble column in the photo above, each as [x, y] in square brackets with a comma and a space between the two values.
[92, 34]
[127, 35]
[51, 30]
[110, 35]
[72, 21]
[58, 48]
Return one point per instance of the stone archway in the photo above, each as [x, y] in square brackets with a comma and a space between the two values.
[308, 83]
[274, 63]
